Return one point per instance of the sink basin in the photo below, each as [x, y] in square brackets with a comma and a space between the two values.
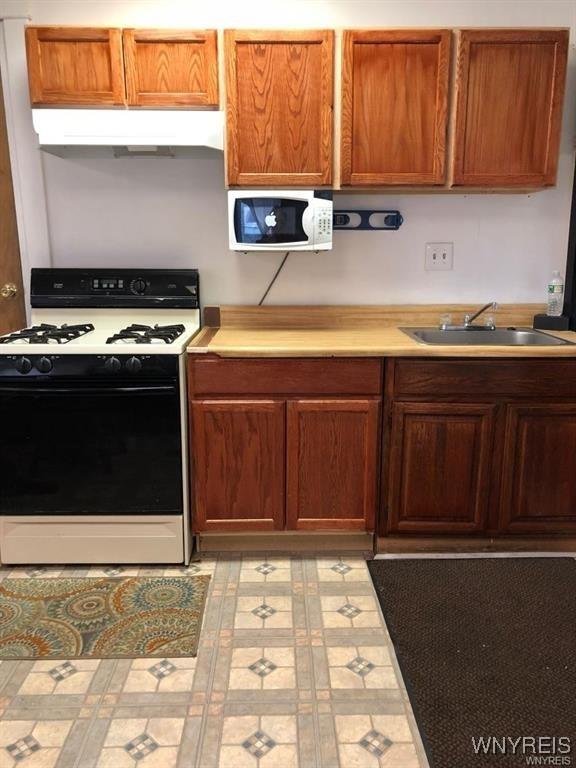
[506, 337]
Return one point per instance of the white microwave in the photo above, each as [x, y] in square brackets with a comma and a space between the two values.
[280, 220]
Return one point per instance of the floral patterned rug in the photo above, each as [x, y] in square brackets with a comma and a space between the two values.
[131, 617]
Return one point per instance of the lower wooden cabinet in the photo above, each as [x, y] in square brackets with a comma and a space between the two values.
[238, 463]
[470, 447]
[332, 464]
[539, 480]
[440, 467]
[272, 464]
[504, 465]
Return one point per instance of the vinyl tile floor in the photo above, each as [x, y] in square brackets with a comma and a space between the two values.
[295, 669]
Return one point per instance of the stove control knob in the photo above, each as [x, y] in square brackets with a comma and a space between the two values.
[44, 365]
[139, 286]
[133, 365]
[23, 365]
[113, 365]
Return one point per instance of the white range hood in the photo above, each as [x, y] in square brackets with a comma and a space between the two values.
[129, 133]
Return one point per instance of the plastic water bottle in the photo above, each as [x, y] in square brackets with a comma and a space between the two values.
[555, 295]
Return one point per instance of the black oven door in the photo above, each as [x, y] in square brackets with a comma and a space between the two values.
[90, 448]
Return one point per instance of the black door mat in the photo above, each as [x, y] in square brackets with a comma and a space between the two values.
[487, 648]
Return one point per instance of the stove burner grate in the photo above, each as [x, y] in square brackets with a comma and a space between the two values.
[147, 334]
[45, 333]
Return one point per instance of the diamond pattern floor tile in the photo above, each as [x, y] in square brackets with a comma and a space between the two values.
[295, 670]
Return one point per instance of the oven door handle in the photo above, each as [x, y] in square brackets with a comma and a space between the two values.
[132, 390]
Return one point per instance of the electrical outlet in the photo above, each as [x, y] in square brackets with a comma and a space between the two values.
[439, 256]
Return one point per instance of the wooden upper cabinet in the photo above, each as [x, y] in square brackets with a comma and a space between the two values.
[510, 88]
[75, 66]
[394, 106]
[279, 107]
[171, 68]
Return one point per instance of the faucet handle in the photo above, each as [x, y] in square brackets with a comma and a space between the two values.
[445, 321]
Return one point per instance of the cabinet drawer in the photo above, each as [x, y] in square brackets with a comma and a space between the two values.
[330, 376]
[485, 378]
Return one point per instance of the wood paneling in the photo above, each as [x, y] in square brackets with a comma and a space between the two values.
[76, 66]
[238, 449]
[171, 68]
[332, 464]
[394, 106]
[462, 544]
[342, 317]
[539, 481]
[11, 309]
[440, 467]
[485, 378]
[510, 87]
[216, 376]
[279, 88]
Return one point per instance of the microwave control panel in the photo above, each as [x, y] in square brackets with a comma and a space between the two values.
[323, 224]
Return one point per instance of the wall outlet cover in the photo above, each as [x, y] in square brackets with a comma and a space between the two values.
[439, 257]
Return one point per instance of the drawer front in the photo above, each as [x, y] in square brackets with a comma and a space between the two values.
[286, 376]
[485, 378]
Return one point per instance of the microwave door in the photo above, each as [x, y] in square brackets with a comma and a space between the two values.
[262, 223]
[255, 217]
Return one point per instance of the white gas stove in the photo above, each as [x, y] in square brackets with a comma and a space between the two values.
[93, 407]
[104, 332]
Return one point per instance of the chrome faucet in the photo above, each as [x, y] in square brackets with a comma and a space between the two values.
[446, 325]
[469, 319]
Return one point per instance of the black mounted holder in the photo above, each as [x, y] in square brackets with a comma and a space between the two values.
[549, 323]
[567, 320]
[366, 219]
[570, 285]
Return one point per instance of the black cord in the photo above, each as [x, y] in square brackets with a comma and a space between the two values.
[271, 283]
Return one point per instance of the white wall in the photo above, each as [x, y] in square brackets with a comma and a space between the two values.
[156, 212]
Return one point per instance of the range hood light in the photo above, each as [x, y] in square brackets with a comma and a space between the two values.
[143, 151]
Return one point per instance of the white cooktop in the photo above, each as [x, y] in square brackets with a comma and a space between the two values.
[106, 323]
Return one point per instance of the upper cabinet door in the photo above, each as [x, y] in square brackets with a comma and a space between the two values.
[279, 107]
[75, 66]
[510, 87]
[394, 106]
[171, 68]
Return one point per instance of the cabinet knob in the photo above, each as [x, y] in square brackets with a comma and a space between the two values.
[8, 290]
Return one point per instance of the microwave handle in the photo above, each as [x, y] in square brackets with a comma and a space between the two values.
[308, 221]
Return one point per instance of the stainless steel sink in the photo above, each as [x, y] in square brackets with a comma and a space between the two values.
[507, 337]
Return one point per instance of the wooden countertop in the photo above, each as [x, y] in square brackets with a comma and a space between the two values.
[352, 332]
